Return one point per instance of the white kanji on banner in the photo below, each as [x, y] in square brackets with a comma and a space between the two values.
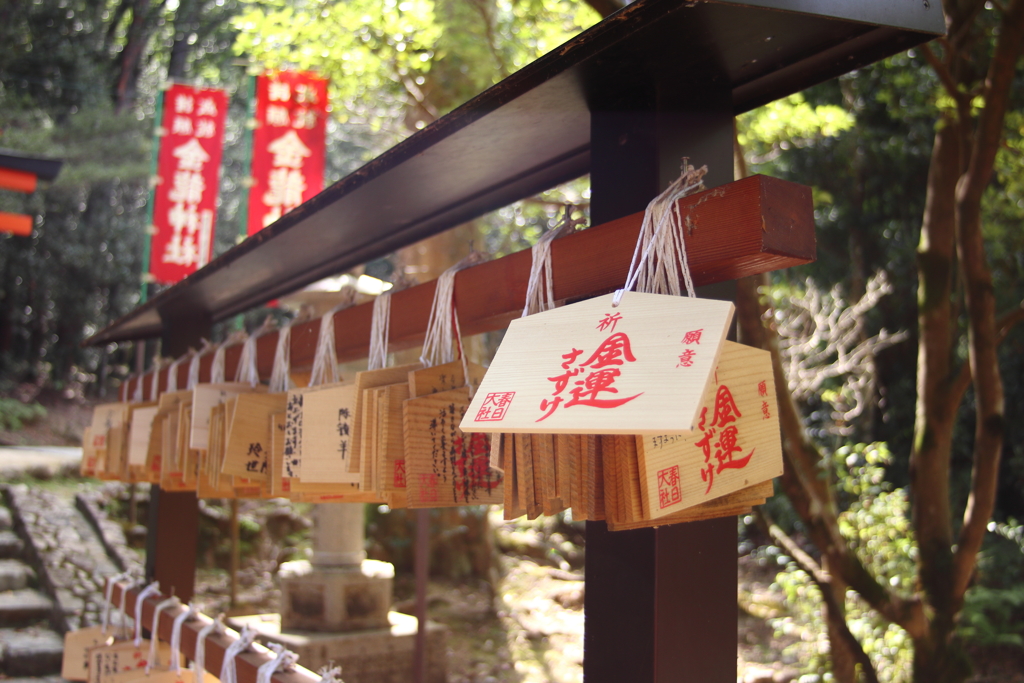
[288, 150]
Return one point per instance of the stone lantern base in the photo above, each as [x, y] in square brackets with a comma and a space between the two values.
[374, 656]
[335, 599]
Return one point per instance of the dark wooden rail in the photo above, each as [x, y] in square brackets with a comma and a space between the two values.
[247, 663]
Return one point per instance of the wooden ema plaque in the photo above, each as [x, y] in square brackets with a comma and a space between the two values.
[594, 368]
[736, 444]
[443, 465]
[249, 439]
[205, 397]
[327, 422]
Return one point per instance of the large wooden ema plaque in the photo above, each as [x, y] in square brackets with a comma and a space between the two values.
[596, 368]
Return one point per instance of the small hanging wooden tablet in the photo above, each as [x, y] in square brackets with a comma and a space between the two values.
[736, 445]
[248, 442]
[77, 644]
[446, 467]
[328, 419]
[370, 379]
[204, 397]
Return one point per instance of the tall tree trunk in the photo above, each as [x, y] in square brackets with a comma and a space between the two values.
[130, 59]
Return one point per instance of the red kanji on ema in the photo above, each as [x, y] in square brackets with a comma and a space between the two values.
[494, 407]
[603, 366]
[721, 426]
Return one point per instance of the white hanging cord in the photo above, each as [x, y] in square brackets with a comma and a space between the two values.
[109, 597]
[145, 593]
[179, 621]
[228, 673]
[154, 383]
[380, 328]
[662, 233]
[325, 358]
[330, 674]
[123, 625]
[246, 372]
[283, 660]
[172, 372]
[137, 396]
[438, 342]
[199, 661]
[154, 655]
[193, 365]
[540, 289]
[279, 380]
[217, 369]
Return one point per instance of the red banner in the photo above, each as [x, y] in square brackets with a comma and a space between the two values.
[288, 144]
[185, 198]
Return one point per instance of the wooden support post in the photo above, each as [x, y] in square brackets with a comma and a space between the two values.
[660, 603]
[173, 537]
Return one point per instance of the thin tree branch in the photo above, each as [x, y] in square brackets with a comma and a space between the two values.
[823, 580]
[1004, 326]
[943, 72]
[805, 484]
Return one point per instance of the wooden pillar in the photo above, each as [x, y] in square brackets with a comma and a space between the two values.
[173, 537]
[660, 603]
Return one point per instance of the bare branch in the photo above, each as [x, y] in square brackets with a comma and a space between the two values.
[942, 71]
[803, 482]
[823, 580]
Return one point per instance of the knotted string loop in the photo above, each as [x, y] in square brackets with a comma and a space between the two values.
[154, 382]
[228, 672]
[109, 597]
[179, 620]
[154, 655]
[380, 327]
[199, 661]
[329, 674]
[443, 325]
[659, 258]
[279, 380]
[143, 594]
[540, 289]
[283, 660]
[193, 365]
[325, 358]
[246, 372]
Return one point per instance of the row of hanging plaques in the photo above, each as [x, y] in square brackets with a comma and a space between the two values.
[629, 407]
[389, 436]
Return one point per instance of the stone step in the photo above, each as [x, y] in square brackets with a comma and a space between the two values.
[10, 545]
[6, 523]
[30, 652]
[24, 607]
[15, 575]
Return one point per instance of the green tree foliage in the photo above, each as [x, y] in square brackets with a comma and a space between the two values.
[396, 65]
[924, 187]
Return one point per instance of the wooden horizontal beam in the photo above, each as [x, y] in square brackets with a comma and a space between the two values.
[746, 227]
[246, 664]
